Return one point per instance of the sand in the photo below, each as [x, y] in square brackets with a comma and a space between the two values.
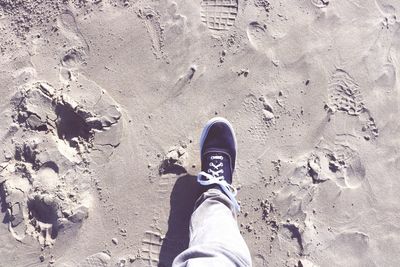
[103, 101]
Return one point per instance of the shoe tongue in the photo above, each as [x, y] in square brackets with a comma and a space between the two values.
[218, 160]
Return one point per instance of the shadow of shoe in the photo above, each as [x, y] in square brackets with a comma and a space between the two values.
[183, 197]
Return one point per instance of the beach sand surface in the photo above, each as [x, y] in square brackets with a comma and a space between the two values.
[103, 102]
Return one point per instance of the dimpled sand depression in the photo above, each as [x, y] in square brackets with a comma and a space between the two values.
[103, 102]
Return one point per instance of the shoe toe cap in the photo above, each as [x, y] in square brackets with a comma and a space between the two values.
[220, 136]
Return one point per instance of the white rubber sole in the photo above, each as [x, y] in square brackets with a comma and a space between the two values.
[208, 126]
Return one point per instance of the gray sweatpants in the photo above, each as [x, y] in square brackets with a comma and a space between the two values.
[215, 239]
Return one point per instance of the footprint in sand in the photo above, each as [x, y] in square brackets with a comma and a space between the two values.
[152, 21]
[331, 167]
[256, 34]
[78, 49]
[339, 163]
[219, 15]
[151, 247]
[260, 39]
[44, 182]
[345, 96]
[173, 165]
[86, 104]
[258, 113]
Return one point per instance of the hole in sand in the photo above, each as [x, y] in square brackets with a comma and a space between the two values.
[44, 212]
[50, 164]
[71, 125]
[73, 57]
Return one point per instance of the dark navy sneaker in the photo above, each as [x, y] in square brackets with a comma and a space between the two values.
[218, 155]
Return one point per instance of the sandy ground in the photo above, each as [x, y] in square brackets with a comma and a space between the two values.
[103, 101]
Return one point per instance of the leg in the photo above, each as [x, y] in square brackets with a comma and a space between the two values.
[215, 239]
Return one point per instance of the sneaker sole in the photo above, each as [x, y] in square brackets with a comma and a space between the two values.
[208, 126]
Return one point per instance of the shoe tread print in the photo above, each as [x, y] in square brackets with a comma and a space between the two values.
[219, 15]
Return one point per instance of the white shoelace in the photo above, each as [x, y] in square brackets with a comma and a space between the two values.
[206, 179]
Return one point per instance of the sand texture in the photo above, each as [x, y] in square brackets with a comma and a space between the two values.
[103, 102]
